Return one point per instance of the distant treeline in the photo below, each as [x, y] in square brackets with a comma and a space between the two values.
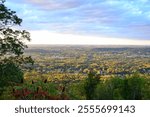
[136, 50]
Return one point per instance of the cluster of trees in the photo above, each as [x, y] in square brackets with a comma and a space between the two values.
[131, 87]
[11, 48]
[93, 87]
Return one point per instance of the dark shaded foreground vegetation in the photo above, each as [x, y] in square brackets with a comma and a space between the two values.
[133, 87]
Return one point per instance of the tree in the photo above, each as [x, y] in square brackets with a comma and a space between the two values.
[12, 45]
[132, 89]
[110, 89]
[90, 85]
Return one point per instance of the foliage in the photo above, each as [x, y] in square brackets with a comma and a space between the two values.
[109, 89]
[12, 41]
[128, 88]
[132, 89]
[10, 75]
[90, 85]
[7, 94]
[39, 90]
[146, 89]
[76, 91]
[12, 45]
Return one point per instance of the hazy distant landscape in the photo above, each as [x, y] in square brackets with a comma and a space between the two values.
[106, 60]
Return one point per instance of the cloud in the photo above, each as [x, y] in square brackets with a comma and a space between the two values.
[60, 38]
[55, 4]
[108, 18]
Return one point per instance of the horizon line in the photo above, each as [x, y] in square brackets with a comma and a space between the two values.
[90, 44]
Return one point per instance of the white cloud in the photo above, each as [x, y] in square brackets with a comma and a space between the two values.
[46, 37]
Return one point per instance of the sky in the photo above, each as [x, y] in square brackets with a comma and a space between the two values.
[111, 22]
